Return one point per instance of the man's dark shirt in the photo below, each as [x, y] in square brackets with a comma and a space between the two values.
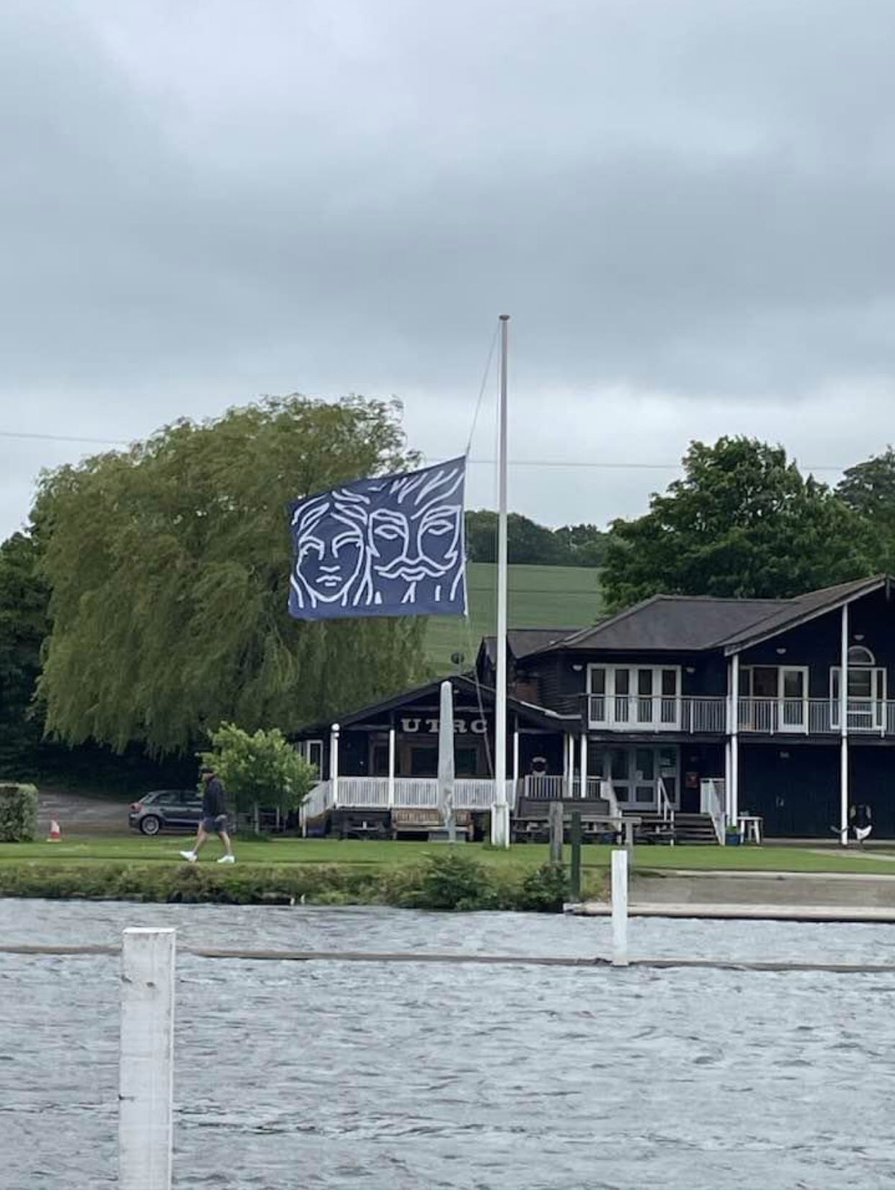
[213, 798]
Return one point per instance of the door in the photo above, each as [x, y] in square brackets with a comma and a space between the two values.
[793, 699]
[634, 770]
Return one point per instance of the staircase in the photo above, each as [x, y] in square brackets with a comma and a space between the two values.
[694, 829]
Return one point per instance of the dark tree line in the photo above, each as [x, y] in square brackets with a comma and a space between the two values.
[534, 544]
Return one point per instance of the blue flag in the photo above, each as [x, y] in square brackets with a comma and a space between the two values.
[386, 547]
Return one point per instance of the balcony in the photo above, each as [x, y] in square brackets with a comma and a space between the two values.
[658, 714]
[708, 714]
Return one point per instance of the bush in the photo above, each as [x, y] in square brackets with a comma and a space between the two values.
[543, 890]
[450, 882]
[18, 812]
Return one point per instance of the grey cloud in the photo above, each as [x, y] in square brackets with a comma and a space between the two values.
[212, 201]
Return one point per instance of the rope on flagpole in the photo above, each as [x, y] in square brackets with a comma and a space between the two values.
[478, 403]
[467, 622]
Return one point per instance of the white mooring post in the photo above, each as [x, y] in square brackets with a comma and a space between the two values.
[619, 908]
[146, 1074]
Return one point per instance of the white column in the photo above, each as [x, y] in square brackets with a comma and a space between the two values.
[334, 764]
[565, 761]
[515, 756]
[843, 729]
[146, 1067]
[619, 908]
[391, 767]
[735, 739]
[727, 783]
[583, 765]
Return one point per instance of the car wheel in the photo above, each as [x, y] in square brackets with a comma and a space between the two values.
[150, 826]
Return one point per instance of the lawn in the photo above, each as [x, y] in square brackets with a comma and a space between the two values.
[285, 851]
[538, 597]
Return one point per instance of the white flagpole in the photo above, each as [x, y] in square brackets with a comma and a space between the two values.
[500, 825]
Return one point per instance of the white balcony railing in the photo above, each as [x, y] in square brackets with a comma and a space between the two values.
[708, 714]
[682, 714]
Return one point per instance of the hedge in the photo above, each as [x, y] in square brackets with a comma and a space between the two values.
[444, 882]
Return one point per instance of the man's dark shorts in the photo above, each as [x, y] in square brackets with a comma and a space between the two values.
[215, 824]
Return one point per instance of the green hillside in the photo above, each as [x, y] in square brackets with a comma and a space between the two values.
[548, 597]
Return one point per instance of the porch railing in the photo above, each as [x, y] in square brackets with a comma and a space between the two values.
[370, 791]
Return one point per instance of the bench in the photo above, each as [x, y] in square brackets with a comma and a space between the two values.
[426, 821]
[364, 823]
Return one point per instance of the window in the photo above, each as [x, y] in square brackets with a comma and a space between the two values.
[424, 760]
[634, 696]
[773, 699]
[313, 752]
[866, 691]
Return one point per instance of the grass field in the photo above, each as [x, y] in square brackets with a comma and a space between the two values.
[285, 851]
[539, 597]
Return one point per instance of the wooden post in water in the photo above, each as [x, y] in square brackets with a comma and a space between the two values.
[575, 871]
[555, 822]
[146, 1069]
[619, 908]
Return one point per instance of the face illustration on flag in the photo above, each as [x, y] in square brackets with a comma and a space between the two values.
[384, 547]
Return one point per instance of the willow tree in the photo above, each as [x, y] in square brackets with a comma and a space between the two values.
[169, 565]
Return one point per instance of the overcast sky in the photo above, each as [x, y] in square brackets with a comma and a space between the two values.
[685, 205]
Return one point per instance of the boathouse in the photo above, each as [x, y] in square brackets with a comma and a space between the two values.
[680, 704]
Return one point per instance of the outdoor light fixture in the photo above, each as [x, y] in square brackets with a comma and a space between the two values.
[859, 637]
[577, 666]
[781, 649]
[690, 670]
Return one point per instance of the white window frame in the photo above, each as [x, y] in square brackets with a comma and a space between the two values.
[877, 701]
[767, 714]
[306, 751]
[622, 711]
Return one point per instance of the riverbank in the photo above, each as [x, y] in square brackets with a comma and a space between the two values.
[695, 880]
[442, 881]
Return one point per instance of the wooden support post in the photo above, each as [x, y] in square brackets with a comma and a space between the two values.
[575, 870]
[556, 831]
[146, 1069]
[619, 908]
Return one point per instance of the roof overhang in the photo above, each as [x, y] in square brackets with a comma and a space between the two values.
[860, 590]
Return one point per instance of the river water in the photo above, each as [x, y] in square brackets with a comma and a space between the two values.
[329, 1074]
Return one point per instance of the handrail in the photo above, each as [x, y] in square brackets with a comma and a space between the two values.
[664, 805]
[712, 801]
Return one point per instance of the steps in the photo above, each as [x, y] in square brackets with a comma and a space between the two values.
[694, 829]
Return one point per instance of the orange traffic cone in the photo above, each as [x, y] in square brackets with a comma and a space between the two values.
[55, 832]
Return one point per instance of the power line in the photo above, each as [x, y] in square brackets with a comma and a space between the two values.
[513, 462]
[62, 437]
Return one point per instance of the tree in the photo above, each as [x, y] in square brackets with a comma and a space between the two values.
[529, 542]
[259, 769]
[580, 545]
[869, 490]
[23, 627]
[742, 522]
[169, 565]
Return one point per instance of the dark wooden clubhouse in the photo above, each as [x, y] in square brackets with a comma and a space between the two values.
[681, 704]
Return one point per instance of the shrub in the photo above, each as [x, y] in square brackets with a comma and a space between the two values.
[18, 812]
[543, 890]
[452, 881]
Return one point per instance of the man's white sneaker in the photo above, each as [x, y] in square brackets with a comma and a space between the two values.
[188, 855]
[227, 858]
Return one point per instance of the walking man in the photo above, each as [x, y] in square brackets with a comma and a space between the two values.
[214, 818]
